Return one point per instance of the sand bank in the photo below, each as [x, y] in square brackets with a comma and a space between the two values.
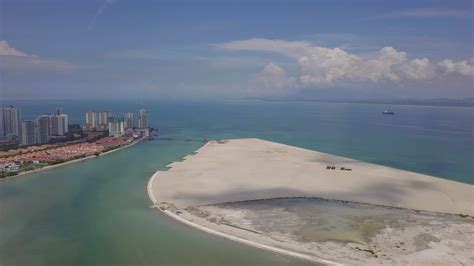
[249, 169]
[193, 191]
[238, 237]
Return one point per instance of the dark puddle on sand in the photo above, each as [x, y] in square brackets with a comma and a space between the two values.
[319, 220]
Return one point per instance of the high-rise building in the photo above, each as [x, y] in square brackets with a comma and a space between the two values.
[2, 127]
[11, 118]
[91, 120]
[59, 125]
[128, 120]
[42, 129]
[28, 136]
[104, 120]
[143, 119]
[55, 125]
[64, 118]
[59, 111]
[116, 127]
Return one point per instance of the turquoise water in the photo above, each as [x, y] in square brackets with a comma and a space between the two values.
[97, 212]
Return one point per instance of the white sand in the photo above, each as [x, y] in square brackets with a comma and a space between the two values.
[248, 169]
[232, 233]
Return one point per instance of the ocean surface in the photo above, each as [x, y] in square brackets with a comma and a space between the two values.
[96, 212]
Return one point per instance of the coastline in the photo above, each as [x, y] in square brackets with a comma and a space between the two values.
[71, 162]
[240, 240]
[240, 170]
[249, 169]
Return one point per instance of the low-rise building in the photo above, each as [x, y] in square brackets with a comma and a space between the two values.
[10, 168]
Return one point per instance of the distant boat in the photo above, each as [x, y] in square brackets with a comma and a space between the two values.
[388, 112]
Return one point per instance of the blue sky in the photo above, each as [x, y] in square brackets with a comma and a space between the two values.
[235, 49]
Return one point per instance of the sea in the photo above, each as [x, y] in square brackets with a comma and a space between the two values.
[97, 212]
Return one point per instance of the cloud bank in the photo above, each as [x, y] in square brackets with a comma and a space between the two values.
[12, 59]
[274, 79]
[322, 66]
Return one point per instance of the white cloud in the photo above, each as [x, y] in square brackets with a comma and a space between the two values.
[322, 66]
[291, 49]
[273, 79]
[418, 69]
[6, 49]
[13, 59]
[461, 67]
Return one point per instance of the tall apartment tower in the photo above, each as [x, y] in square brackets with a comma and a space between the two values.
[42, 129]
[91, 120]
[2, 127]
[64, 125]
[128, 120]
[28, 134]
[116, 127]
[143, 119]
[104, 120]
[11, 118]
[59, 124]
[59, 111]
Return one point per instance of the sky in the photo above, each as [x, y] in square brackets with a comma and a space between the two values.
[143, 49]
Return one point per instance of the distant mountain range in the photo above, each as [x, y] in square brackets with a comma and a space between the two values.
[309, 97]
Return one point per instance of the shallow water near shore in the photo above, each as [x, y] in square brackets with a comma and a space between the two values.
[96, 212]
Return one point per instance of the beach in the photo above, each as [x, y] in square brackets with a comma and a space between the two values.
[196, 191]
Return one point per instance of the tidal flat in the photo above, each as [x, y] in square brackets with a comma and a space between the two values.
[318, 206]
[346, 232]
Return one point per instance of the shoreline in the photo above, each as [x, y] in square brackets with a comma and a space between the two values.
[240, 240]
[245, 170]
[71, 161]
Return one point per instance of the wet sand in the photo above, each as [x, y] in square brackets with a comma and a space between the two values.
[344, 232]
[203, 190]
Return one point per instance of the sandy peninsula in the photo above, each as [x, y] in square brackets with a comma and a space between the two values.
[436, 224]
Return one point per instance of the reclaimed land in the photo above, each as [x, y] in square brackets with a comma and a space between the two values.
[429, 216]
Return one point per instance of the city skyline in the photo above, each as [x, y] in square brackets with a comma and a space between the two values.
[235, 49]
[47, 127]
